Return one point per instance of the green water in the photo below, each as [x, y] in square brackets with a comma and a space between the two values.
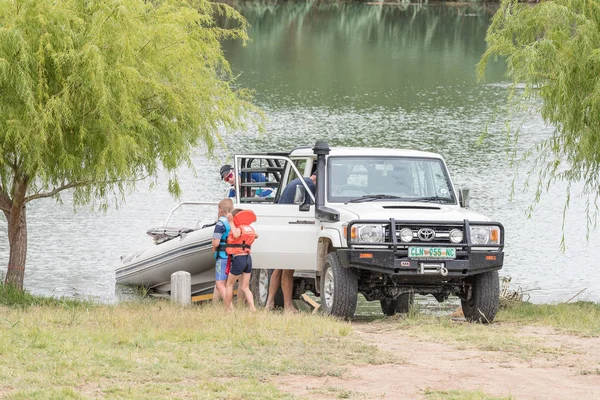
[360, 57]
[358, 75]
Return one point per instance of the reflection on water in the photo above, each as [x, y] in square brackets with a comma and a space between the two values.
[356, 75]
[361, 57]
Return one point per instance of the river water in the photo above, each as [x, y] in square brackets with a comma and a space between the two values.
[356, 75]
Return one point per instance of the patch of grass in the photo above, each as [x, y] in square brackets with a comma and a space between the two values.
[504, 335]
[580, 318]
[595, 371]
[158, 350]
[461, 395]
[339, 393]
[501, 338]
[11, 297]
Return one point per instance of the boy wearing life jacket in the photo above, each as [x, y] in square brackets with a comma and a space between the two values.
[239, 242]
[219, 241]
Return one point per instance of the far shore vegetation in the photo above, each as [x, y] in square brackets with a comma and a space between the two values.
[67, 349]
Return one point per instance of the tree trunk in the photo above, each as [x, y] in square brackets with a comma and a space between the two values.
[17, 241]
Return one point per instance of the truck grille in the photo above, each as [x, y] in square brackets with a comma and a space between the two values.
[426, 234]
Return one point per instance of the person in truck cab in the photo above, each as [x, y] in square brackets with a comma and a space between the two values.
[289, 192]
[285, 278]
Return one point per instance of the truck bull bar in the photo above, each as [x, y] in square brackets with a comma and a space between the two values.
[391, 226]
[391, 255]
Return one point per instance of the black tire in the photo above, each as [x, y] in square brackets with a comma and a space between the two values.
[339, 288]
[400, 305]
[483, 304]
[259, 286]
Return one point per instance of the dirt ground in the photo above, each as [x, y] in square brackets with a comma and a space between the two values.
[571, 373]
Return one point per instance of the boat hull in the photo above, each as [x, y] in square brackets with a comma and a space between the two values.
[153, 266]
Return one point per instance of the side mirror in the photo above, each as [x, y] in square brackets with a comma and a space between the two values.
[464, 198]
[300, 195]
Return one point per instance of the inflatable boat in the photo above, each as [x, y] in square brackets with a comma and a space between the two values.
[175, 248]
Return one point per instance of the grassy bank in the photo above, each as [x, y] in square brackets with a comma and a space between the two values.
[10, 297]
[581, 318]
[156, 350]
[505, 335]
[62, 349]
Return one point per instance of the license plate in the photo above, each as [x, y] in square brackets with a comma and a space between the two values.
[432, 252]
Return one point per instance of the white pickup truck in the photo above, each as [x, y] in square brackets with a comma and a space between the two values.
[385, 223]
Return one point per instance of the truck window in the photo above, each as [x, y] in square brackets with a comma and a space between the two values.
[401, 177]
[300, 165]
[296, 170]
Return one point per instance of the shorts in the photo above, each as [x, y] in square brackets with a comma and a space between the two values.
[241, 264]
[220, 267]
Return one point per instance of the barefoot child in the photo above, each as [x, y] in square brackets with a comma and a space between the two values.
[241, 237]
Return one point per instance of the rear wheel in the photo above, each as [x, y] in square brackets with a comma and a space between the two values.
[401, 304]
[485, 295]
[259, 285]
[339, 288]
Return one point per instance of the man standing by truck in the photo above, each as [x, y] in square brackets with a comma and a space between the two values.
[285, 277]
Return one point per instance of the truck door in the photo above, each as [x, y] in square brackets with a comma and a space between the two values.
[287, 233]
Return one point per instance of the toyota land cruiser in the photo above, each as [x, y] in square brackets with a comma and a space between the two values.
[385, 223]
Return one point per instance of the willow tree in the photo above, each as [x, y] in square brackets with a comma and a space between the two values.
[553, 49]
[95, 95]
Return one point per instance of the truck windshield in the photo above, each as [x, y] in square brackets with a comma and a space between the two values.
[362, 179]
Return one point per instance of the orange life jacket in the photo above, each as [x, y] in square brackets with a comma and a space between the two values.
[242, 244]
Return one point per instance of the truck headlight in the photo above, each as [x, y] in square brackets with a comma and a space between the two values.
[485, 235]
[370, 233]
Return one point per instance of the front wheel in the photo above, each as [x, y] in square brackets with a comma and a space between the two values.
[339, 288]
[485, 296]
[400, 305]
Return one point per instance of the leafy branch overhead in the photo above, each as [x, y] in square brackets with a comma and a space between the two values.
[553, 49]
[98, 94]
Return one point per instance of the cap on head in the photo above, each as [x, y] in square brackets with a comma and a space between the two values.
[225, 170]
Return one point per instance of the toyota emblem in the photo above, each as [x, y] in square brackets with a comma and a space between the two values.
[426, 234]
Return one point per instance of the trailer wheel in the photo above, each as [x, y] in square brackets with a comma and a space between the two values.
[339, 288]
